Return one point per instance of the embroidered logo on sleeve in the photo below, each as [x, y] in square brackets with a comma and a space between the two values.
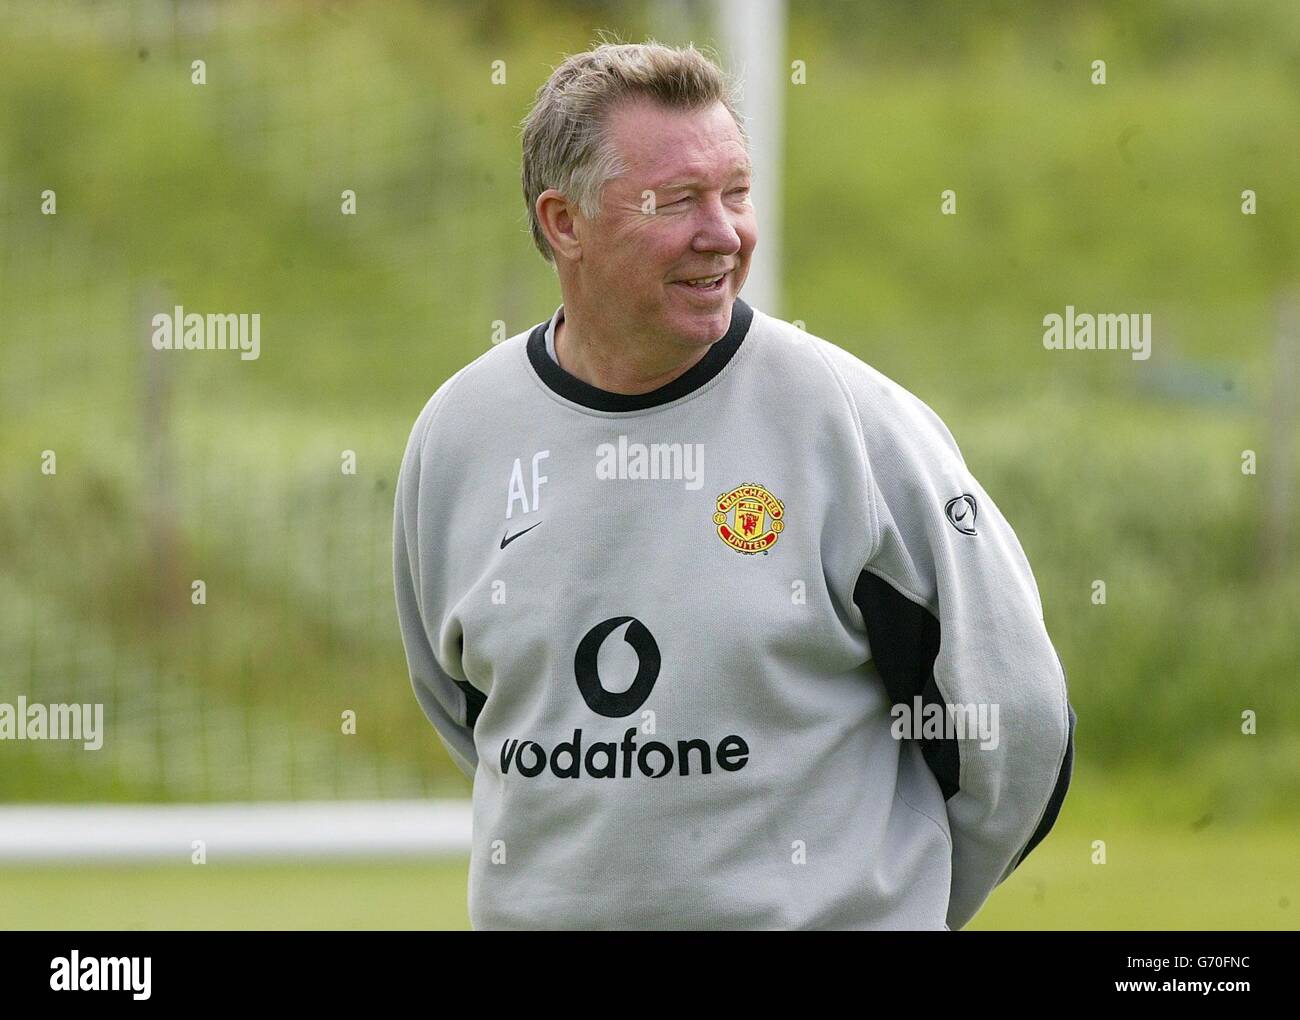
[961, 513]
[749, 518]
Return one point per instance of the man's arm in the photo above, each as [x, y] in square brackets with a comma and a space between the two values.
[953, 616]
[451, 705]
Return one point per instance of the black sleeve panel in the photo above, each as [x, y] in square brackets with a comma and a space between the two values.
[904, 641]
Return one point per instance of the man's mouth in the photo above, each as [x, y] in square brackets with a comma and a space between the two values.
[705, 285]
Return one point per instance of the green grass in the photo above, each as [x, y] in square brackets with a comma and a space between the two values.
[1173, 861]
[373, 894]
[1153, 878]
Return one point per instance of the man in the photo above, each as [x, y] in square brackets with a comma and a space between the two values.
[678, 582]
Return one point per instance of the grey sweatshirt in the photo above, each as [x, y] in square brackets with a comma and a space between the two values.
[753, 650]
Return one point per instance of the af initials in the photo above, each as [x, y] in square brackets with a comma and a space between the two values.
[516, 491]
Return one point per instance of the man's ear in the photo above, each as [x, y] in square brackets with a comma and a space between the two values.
[556, 215]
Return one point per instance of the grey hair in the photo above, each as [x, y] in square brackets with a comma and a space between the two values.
[566, 145]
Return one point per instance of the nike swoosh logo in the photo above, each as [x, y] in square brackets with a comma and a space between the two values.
[505, 541]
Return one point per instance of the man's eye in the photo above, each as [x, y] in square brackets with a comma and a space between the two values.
[740, 191]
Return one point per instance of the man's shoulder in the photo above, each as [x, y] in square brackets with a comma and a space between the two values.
[892, 419]
[879, 401]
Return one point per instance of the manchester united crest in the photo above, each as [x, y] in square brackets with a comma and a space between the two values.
[749, 518]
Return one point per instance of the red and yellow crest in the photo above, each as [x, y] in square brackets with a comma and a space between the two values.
[749, 518]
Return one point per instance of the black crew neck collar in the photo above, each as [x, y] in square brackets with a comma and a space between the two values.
[570, 387]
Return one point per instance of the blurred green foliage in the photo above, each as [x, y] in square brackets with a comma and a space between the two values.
[1117, 198]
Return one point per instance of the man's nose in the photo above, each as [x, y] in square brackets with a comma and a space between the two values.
[716, 230]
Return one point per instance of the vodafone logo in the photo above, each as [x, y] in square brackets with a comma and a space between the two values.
[601, 701]
[608, 759]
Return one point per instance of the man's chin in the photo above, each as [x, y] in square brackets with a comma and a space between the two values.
[702, 326]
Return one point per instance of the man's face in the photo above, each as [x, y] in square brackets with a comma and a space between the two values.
[681, 212]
